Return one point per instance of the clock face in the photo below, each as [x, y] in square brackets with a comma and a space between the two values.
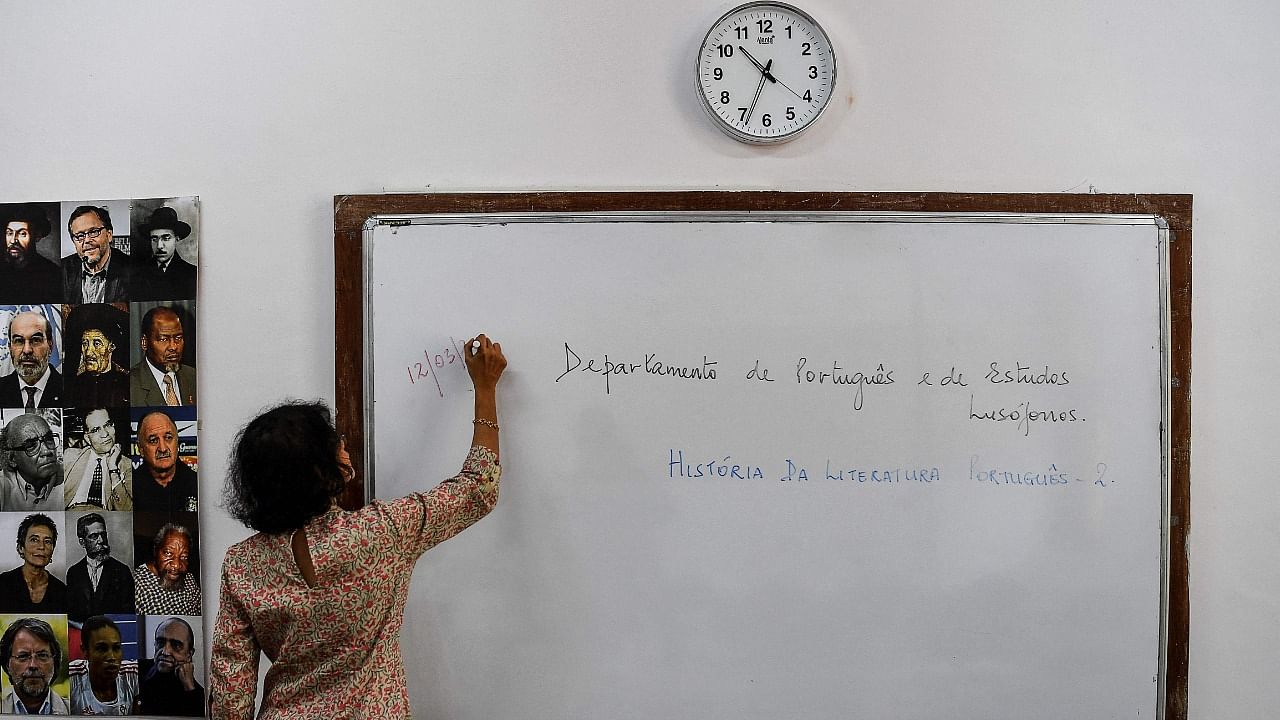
[765, 72]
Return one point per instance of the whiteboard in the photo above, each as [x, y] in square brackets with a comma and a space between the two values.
[842, 465]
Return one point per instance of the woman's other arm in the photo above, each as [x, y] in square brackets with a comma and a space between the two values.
[233, 672]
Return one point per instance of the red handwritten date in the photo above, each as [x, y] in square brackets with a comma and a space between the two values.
[433, 363]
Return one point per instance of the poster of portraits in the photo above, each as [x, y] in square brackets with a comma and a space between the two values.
[100, 594]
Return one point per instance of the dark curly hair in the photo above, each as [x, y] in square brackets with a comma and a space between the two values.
[31, 521]
[284, 468]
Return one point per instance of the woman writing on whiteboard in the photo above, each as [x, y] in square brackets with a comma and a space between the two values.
[319, 590]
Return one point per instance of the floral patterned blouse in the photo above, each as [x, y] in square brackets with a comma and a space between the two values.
[335, 648]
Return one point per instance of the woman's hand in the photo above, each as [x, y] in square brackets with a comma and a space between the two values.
[485, 362]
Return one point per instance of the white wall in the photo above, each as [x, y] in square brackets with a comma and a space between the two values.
[267, 110]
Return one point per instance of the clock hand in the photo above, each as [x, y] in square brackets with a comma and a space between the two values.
[764, 70]
[752, 59]
[793, 92]
[764, 74]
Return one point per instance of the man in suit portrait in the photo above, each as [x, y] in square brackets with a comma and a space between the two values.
[25, 275]
[33, 384]
[95, 335]
[161, 378]
[165, 275]
[96, 273]
[99, 474]
[99, 584]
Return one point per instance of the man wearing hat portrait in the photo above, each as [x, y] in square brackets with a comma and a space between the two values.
[95, 335]
[165, 275]
[26, 276]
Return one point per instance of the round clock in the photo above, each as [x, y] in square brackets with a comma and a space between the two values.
[765, 72]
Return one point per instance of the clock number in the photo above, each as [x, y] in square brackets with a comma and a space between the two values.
[765, 120]
[717, 73]
[742, 114]
[766, 26]
[741, 33]
[808, 96]
[724, 97]
[806, 49]
[813, 71]
[791, 113]
[788, 32]
[726, 51]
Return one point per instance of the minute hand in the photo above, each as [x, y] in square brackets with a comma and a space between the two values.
[764, 69]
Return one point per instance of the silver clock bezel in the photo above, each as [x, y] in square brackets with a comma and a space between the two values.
[720, 122]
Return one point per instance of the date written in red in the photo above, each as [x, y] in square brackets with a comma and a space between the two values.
[433, 363]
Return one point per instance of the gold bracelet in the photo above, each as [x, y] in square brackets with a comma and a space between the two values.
[486, 423]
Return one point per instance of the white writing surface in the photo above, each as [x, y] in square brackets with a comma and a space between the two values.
[855, 467]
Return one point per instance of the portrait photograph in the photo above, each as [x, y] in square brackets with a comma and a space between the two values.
[31, 354]
[31, 474]
[30, 269]
[166, 563]
[172, 675]
[162, 353]
[96, 467]
[165, 460]
[152, 623]
[97, 355]
[47, 626]
[103, 671]
[102, 545]
[96, 266]
[38, 546]
[165, 248]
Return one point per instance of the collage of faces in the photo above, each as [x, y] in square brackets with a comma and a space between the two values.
[100, 598]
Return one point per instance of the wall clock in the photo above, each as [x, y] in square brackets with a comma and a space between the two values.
[765, 72]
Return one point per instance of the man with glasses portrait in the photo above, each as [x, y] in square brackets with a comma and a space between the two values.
[99, 474]
[31, 656]
[96, 273]
[34, 382]
[32, 477]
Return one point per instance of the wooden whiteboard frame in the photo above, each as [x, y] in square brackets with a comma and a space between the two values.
[351, 212]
